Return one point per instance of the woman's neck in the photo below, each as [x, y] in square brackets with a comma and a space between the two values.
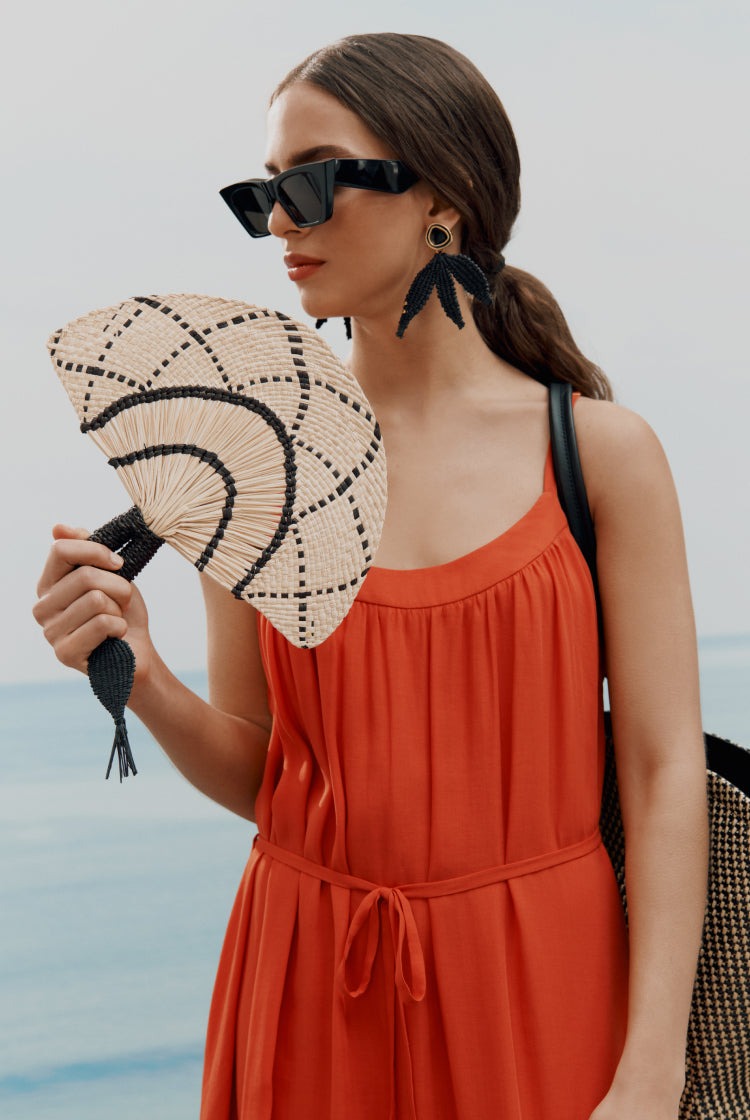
[433, 360]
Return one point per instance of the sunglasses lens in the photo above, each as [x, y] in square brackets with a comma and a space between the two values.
[251, 206]
[303, 194]
[302, 198]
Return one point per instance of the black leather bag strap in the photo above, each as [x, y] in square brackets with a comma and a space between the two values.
[571, 489]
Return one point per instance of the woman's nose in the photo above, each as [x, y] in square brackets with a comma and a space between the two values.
[279, 222]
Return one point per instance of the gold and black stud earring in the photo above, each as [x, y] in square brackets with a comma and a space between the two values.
[440, 273]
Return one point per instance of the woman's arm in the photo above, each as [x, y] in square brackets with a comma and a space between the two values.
[652, 666]
[219, 747]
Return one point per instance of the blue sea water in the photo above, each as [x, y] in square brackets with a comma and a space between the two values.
[113, 904]
[114, 900]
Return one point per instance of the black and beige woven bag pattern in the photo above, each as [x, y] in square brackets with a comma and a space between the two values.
[717, 1082]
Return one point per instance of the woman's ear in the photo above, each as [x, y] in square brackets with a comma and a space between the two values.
[442, 213]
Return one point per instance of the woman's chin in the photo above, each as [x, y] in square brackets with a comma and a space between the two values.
[320, 309]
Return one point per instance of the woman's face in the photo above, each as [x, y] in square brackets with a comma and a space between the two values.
[362, 261]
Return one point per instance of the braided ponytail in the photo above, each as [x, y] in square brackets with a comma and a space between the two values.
[439, 115]
[526, 327]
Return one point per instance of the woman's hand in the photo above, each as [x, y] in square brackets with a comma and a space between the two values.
[220, 747]
[82, 600]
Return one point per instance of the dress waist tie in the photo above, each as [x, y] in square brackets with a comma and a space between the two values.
[409, 977]
[405, 950]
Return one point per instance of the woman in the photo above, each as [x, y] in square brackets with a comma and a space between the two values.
[452, 724]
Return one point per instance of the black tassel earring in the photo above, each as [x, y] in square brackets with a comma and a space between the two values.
[347, 326]
[440, 273]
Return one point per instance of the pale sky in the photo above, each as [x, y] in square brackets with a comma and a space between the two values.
[123, 120]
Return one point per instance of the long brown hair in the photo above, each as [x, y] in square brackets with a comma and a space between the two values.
[438, 113]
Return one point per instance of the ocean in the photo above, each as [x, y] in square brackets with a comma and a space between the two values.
[114, 900]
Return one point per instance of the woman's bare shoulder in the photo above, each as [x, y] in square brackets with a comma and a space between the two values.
[621, 455]
[606, 426]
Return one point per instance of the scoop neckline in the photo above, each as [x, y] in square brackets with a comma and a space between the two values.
[465, 556]
[478, 569]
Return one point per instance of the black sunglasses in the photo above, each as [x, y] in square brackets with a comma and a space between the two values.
[306, 192]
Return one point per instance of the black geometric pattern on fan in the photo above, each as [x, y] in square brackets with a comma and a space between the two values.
[233, 396]
[296, 546]
[204, 455]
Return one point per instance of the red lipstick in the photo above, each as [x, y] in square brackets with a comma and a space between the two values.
[300, 267]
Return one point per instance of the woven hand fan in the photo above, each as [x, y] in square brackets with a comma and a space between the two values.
[244, 443]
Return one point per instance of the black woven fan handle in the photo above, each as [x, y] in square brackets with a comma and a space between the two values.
[111, 666]
[130, 535]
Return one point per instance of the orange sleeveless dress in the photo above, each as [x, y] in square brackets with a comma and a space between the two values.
[428, 927]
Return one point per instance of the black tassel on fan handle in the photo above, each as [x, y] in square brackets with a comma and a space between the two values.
[111, 671]
[111, 665]
[440, 273]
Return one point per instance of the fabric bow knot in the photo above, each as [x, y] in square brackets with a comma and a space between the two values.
[355, 970]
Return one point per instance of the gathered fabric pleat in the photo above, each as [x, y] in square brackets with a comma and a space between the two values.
[410, 939]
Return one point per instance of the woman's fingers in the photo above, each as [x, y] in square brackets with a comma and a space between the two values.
[59, 531]
[77, 583]
[82, 599]
[67, 619]
[74, 649]
[80, 611]
[72, 549]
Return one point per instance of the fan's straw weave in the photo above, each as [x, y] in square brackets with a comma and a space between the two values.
[243, 441]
